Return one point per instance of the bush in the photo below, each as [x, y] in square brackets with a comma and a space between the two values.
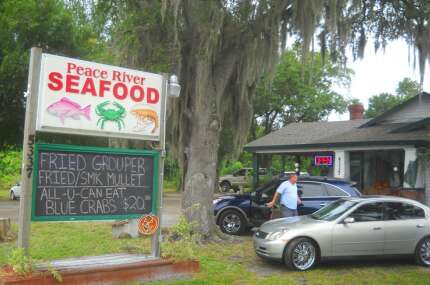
[228, 167]
[10, 166]
[181, 242]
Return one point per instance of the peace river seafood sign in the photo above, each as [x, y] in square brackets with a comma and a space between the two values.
[84, 97]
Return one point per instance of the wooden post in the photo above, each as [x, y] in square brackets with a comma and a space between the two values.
[255, 166]
[156, 238]
[28, 147]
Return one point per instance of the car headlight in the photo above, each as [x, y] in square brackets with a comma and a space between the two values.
[276, 235]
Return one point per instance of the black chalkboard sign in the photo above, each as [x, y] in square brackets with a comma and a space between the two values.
[88, 183]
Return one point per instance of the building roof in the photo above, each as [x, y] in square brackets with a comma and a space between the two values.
[363, 132]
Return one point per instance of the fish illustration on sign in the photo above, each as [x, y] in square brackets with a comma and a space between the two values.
[66, 108]
[146, 119]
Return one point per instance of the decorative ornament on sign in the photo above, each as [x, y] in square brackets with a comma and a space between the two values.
[148, 224]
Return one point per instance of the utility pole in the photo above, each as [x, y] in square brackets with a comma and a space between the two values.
[28, 148]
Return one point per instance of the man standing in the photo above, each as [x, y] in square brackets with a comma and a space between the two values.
[289, 197]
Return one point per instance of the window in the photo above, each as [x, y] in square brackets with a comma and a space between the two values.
[334, 191]
[368, 213]
[402, 211]
[333, 210]
[312, 190]
[241, 172]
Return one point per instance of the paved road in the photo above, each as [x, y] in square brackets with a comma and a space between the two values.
[171, 210]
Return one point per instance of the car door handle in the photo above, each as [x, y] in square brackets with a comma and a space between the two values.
[322, 204]
[420, 226]
[376, 228]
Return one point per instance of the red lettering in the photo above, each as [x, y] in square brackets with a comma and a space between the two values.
[55, 78]
[104, 74]
[116, 76]
[152, 95]
[116, 92]
[72, 81]
[104, 86]
[89, 87]
[70, 66]
[136, 89]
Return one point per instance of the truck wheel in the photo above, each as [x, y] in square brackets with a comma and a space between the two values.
[232, 222]
[225, 186]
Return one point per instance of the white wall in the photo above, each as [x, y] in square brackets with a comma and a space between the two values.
[341, 164]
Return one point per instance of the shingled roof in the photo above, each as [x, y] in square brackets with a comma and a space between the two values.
[342, 133]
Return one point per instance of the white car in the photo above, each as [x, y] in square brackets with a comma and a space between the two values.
[15, 191]
[237, 179]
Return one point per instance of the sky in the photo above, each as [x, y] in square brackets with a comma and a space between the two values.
[380, 72]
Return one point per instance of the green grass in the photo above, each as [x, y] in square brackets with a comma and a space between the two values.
[220, 263]
[60, 240]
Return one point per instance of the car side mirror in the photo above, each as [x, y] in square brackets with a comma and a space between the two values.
[349, 220]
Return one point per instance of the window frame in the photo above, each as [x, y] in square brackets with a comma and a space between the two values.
[366, 204]
[302, 183]
[407, 203]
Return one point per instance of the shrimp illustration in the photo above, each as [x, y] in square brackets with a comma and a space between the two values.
[143, 117]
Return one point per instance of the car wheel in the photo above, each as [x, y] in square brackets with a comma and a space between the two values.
[422, 252]
[12, 195]
[232, 222]
[301, 254]
[225, 186]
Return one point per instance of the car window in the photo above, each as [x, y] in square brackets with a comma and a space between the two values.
[334, 191]
[402, 211]
[368, 213]
[333, 210]
[312, 190]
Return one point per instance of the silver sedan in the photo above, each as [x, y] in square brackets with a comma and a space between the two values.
[348, 227]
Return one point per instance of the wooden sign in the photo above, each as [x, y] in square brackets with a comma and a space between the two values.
[88, 183]
[83, 97]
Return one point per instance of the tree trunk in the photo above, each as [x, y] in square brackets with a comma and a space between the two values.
[200, 175]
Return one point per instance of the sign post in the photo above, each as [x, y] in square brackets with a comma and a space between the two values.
[28, 147]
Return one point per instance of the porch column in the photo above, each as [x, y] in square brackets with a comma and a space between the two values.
[341, 164]
[255, 176]
[412, 176]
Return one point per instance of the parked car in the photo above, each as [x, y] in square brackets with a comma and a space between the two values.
[349, 227]
[15, 191]
[237, 212]
[238, 179]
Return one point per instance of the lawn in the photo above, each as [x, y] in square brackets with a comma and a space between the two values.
[220, 263]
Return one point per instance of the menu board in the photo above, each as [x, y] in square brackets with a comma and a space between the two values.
[86, 183]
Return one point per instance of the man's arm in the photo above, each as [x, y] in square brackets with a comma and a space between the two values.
[274, 200]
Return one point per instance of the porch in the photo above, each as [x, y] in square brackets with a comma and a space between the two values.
[378, 170]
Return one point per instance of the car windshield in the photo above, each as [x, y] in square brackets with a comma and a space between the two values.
[333, 210]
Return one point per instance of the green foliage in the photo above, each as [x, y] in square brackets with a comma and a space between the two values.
[181, 242]
[26, 23]
[228, 167]
[300, 91]
[380, 103]
[10, 166]
[21, 263]
[54, 272]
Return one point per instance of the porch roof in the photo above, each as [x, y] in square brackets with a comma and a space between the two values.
[337, 134]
